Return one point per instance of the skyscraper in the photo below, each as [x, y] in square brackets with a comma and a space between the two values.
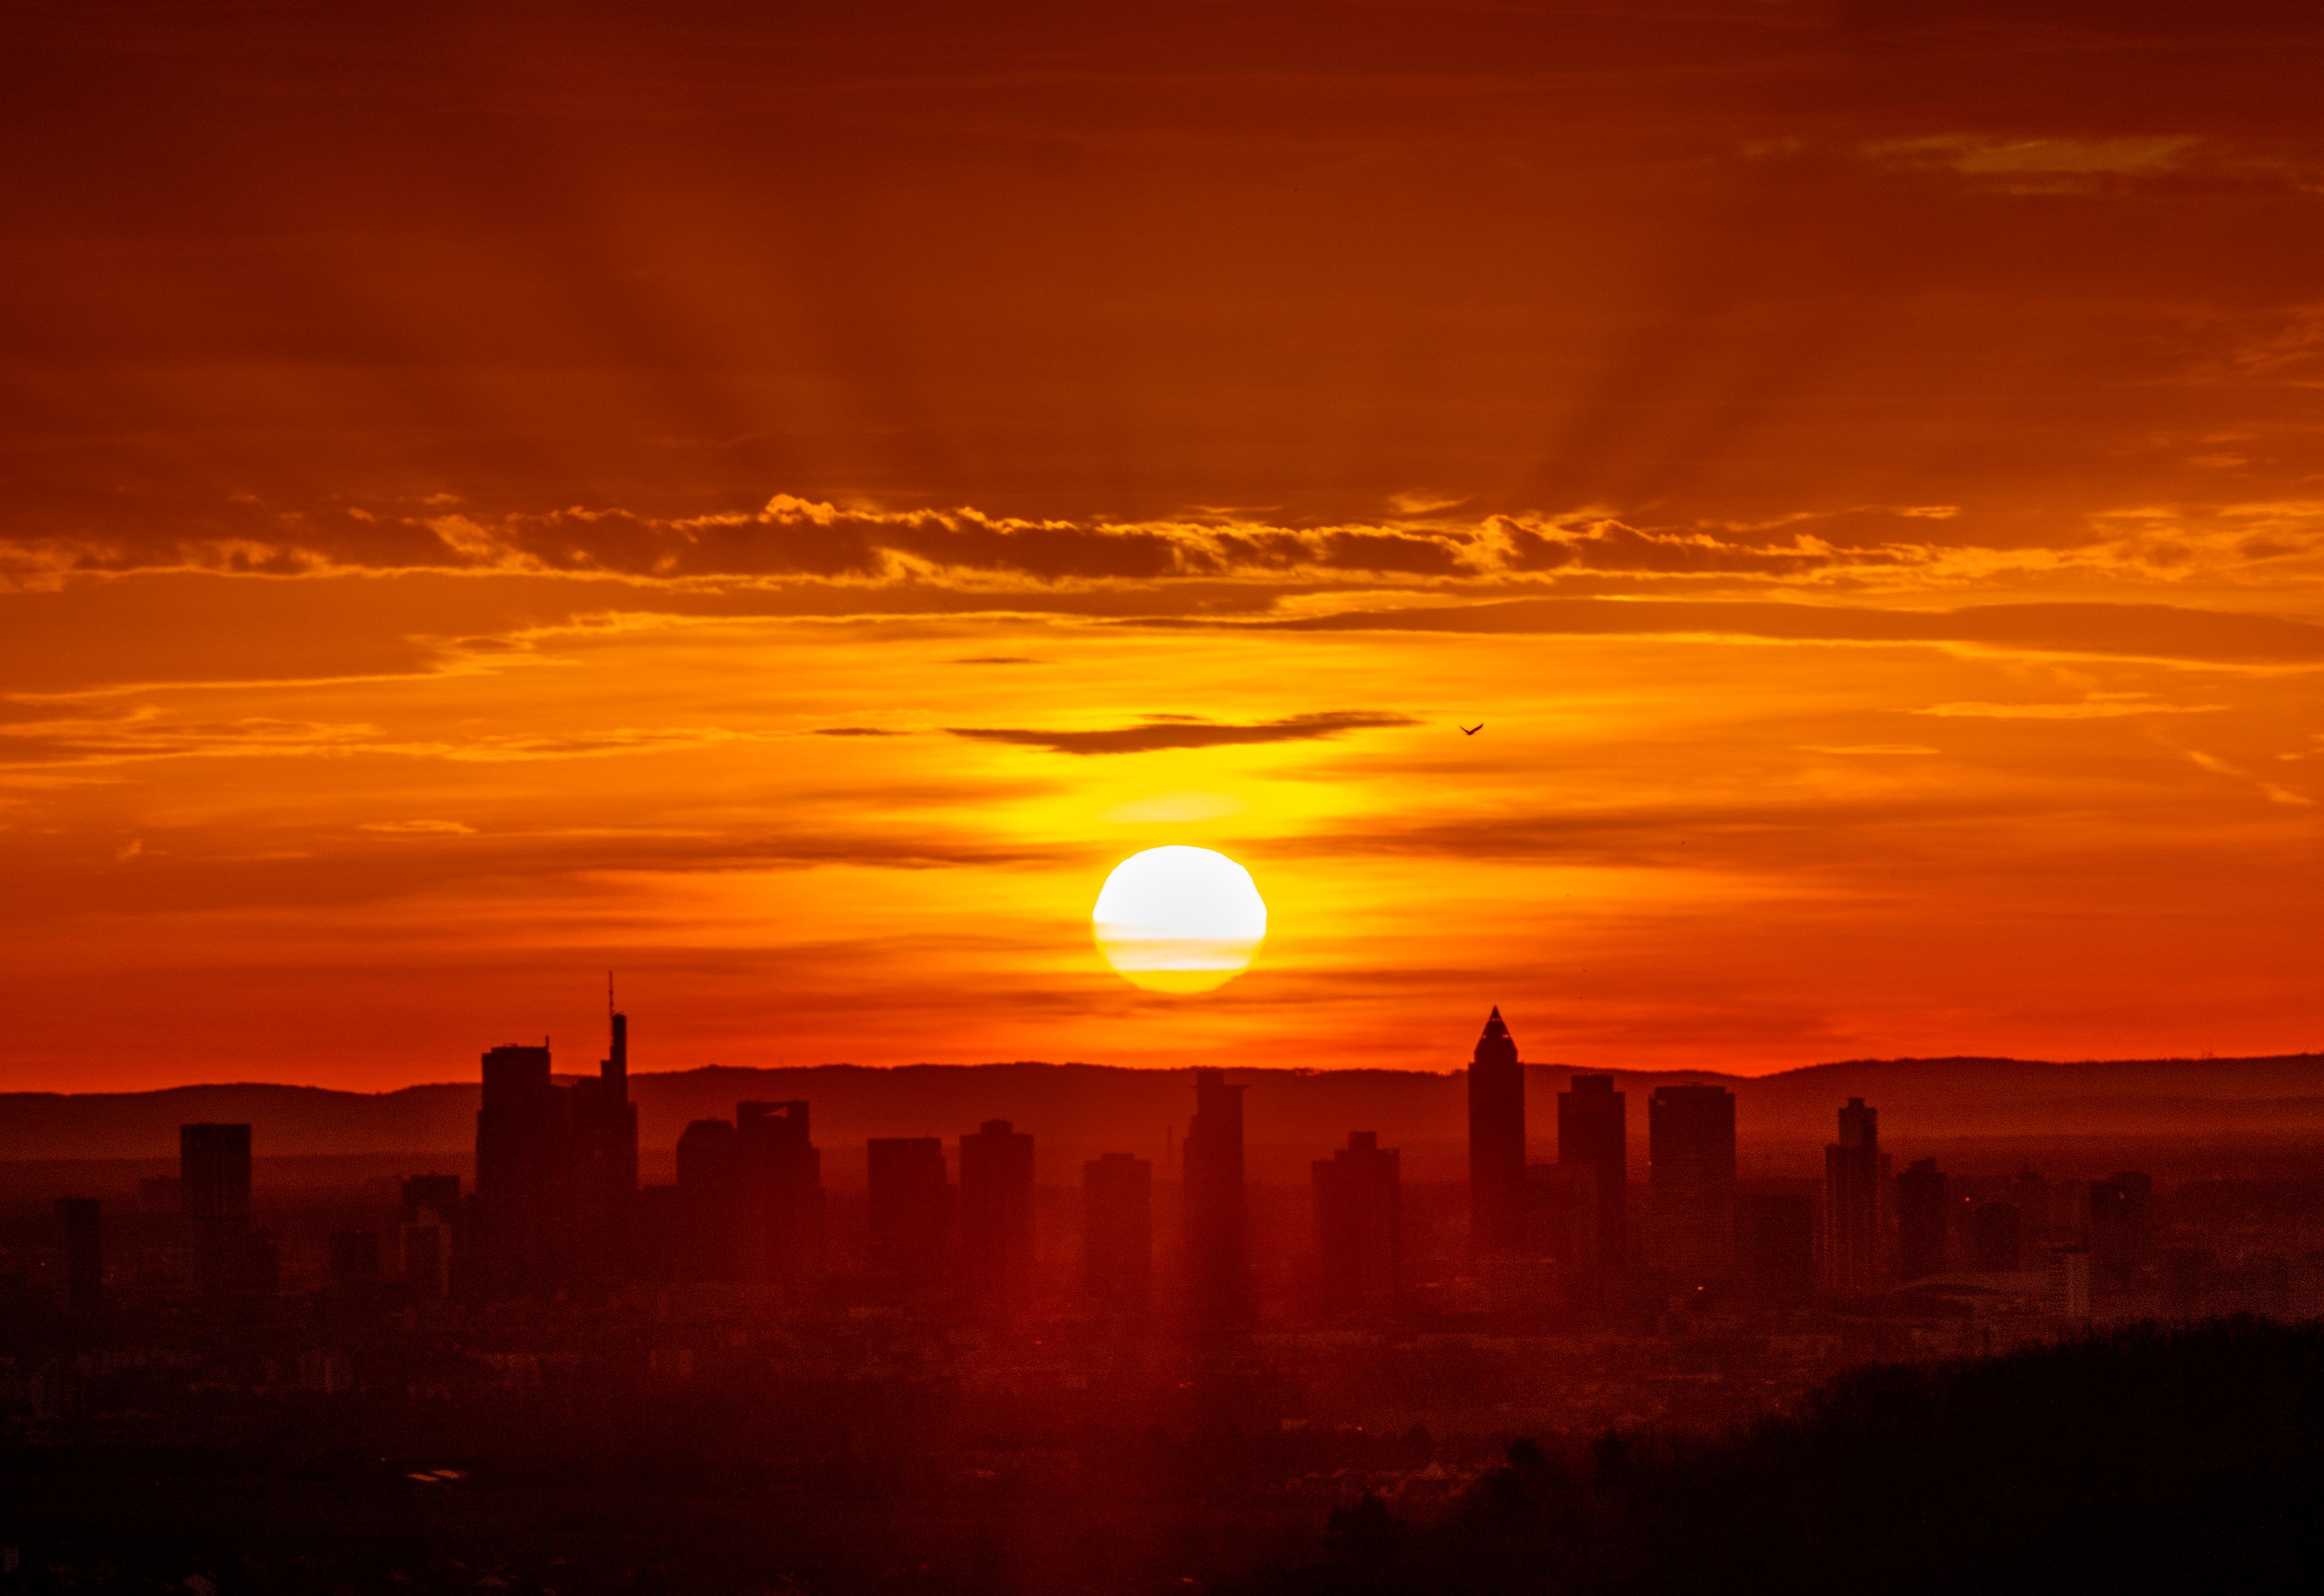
[1851, 1203]
[1218, 1248]
[524, 1174]
[213, 1171]
[910, 1204]
[81, 1224]
[996, 1213]
[1359, 1226]
[425, 1237]
[1690, 1171]
[1920, 1221]
[779, 1170]
[214, 1185]
[1118, 1231]
[710, 1201]
[605, 1130]
[1496, 1143]
[1593, 1133]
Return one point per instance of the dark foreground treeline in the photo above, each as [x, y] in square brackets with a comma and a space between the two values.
[2149, 1459]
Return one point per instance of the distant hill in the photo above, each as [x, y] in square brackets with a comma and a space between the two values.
[1078, 1108]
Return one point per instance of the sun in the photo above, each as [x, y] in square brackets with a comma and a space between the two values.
[1179, 919]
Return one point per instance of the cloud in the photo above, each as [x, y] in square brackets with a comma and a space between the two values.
[419, 827]
[2124, 631]
[855, 732]
[2273, 791]
[2096, 706]
[1174, 731]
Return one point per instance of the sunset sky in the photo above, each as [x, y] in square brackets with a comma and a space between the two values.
[778, 500]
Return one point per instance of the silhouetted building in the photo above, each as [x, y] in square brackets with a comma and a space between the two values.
[1593, 1133]
[996, 1213]
[1218, 1245]
[1359, 1226]
[213, 1171]
[780, 1172]
[80, 1225]
[2070, 1281]
[425, 1239]
[1690, 1171]
[1851, 1203]
[909, 1207]
[1496, 1142]
[557, 1171]
[1776, 1231]
[2122, 1229]
[524, 1174]
[214, 1185]
[423, 1196]
[1118, 1231]
[604, 1129]
[355, 1258]
[1920, 1214]
[1996, 1237]
[710, 1203]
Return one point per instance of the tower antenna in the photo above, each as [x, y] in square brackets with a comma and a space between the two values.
[609, 992]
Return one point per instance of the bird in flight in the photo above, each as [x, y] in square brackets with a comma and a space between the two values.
[1470, 731]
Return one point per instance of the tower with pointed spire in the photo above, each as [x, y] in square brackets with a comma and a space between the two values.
[1496, 1143]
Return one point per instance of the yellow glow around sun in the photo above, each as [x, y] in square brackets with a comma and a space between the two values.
[1179, 919]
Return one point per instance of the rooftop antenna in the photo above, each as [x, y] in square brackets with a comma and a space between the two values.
[609, 992]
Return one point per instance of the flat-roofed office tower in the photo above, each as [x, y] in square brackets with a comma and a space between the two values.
[1851, 1203]
[524, 1174]
[1593, 1133]
[213, 1171]
[779, 1176]
[1496, 1143]
[214, 1189]
[1921, 1226]
[1218, 1245]
[909, 1207]
[996, 1213]
[1359, 1226]
[1118, 1232]
[1690, 1175]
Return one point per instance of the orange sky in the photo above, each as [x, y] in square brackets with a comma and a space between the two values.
[742, 497]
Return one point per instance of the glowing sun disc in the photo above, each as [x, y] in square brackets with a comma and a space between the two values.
[1179, 919]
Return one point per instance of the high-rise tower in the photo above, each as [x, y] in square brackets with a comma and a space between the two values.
[1496, 1143]
[1691, 1168]
[1218, 1249]
[996, 1213]
[1851, 1201]
[1359, 1240]
[1593, 1133]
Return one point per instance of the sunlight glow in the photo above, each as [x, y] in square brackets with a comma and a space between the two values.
[1179, 919]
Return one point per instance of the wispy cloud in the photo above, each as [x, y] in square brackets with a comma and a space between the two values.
[1162, 731]
[2096, 706]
